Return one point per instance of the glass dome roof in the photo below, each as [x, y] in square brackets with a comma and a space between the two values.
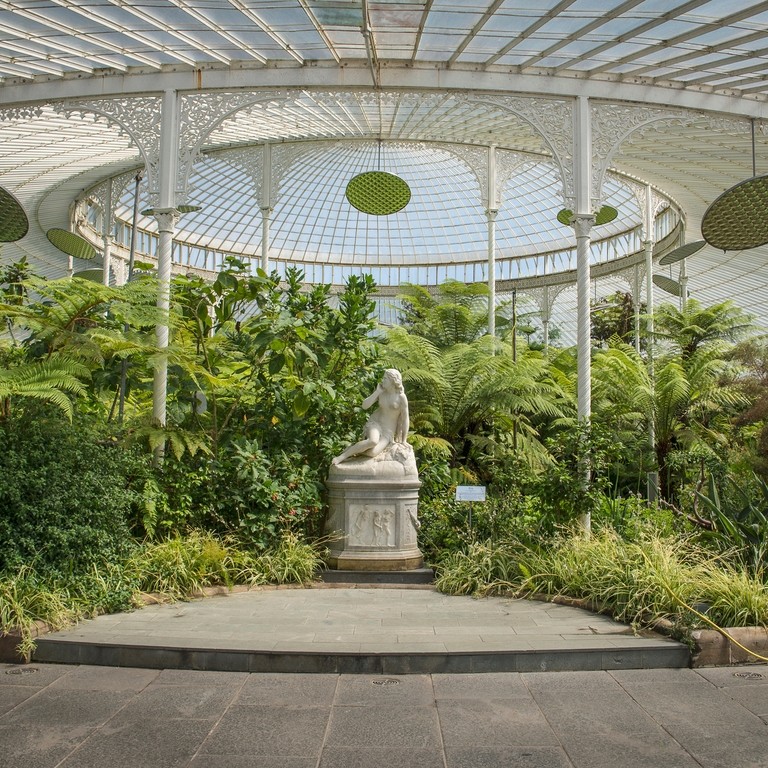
[443, 231]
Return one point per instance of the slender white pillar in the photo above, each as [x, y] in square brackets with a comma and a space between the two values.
[265, 212]
[683, 285]
[106, 235]
[653, 476]
[491, 271]
[166, 225]
[166, 215]
[583, 221]
[266, 204]
[636, 304]
[583, 226]
[492, 211]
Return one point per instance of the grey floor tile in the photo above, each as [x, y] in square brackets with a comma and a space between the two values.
[12, 695]
[197, 702]
[269, 730]
[288, 689]
[165, 744]
[34, 675]
[38, 746]
[252, 761]
[68, 707]
[352, 757]
[384, 727]
[500, 685]
[88, 678]
[506, 757]
[392, 690]
[199, 677]
[494, 722]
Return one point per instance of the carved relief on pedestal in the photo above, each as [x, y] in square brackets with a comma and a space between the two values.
[371, 526]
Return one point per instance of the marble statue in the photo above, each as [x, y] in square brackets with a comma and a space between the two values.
[388, 424]
[373, 490]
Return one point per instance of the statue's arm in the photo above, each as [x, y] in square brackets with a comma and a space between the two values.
[371, 399]
[403, 421]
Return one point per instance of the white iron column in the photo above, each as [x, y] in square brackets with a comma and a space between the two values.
[106, 234]
[266, 204]
[492, 211]
[546, 310]
[491, 272]
[582, 222]
[683, 285]
[583, 225]
[653, 476]
[166, 225]
[636, 303]
[166, 215]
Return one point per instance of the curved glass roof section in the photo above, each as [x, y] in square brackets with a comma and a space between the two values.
[718, 44]
[443, 231]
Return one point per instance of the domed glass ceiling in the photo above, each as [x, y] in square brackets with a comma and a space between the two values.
[443, 230]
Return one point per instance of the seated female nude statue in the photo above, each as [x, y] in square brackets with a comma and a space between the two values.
[387, 424]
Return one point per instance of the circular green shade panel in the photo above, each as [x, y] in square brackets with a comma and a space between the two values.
[603, 216]
[668, 284]
[96, 275]
[179, 209]
[738, 219]
[71, 244]
[13, 221]
[378, 193]
[682, 252]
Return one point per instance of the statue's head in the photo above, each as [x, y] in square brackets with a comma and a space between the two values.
[393, 377]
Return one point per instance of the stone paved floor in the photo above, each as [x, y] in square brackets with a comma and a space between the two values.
[372, 620]
[60, 716]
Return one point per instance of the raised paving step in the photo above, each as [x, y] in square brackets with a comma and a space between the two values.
[148, 657]
[360, 631]
[414, 576]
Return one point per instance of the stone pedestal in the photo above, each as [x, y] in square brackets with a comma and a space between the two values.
[374, 509]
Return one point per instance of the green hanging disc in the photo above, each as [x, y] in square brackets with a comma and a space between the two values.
[378, 193]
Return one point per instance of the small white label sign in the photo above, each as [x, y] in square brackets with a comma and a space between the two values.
[470, 493]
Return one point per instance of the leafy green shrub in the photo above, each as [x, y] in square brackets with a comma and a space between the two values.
[66, 495]
[740, 522]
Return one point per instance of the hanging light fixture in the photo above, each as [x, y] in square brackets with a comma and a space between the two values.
[738, 219]
[682, 252]
[376, 192]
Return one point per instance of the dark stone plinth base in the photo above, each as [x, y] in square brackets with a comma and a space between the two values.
[415, 576]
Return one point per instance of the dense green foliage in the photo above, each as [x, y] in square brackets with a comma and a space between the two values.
[67, 495]
[265, 383]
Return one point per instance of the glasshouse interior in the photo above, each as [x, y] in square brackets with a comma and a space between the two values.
[536, 233]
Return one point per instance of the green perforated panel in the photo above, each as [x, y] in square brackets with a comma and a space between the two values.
[738, 219]
[378, 193]
[13, 221]
[71, 244]
[603, 216]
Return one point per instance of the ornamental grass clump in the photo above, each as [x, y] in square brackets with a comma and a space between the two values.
[24, 601]
[641, 581]
[293, 561]
[180, 566]
[484, 568]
